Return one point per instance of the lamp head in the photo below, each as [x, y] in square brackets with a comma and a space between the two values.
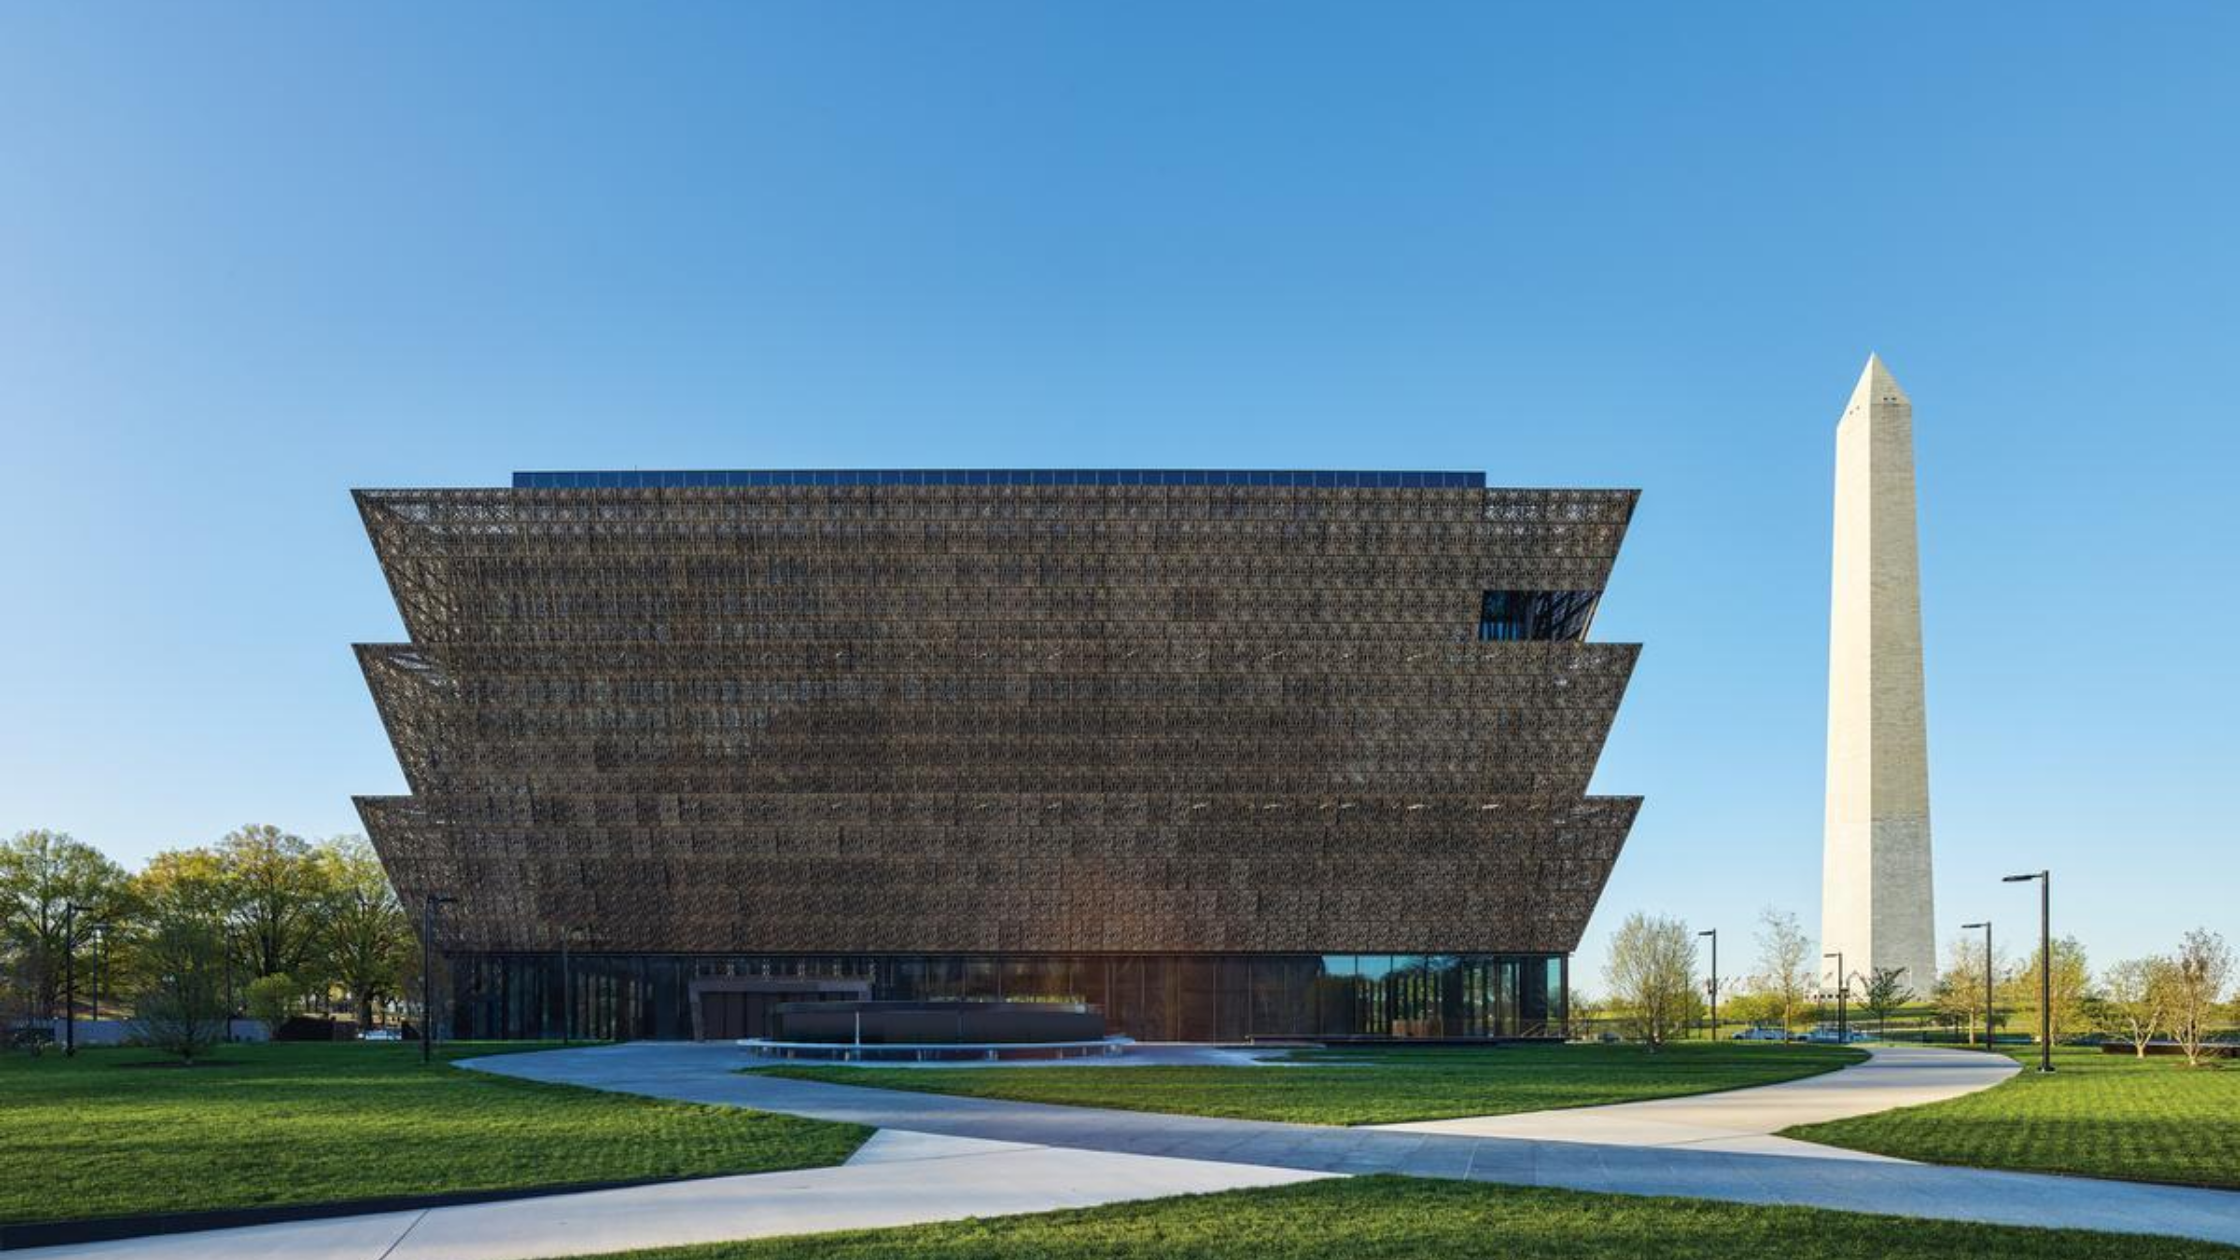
[1970, 927]
[2021, 879]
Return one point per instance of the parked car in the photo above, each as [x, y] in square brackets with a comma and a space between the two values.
[1761, 1034]
[381, 1034]
[1827, 1036]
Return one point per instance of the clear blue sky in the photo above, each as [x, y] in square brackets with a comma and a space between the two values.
[251, 257]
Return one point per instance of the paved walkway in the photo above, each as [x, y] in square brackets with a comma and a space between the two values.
[1746, 1120]
[1826, 1179]
[942, 1158]
[895, 1179]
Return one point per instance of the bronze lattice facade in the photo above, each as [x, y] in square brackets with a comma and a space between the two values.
[1300, 744]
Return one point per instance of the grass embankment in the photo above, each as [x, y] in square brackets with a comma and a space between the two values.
[105, 1135]
[1376, 1085]
[2097, 1115]
[1398, 1218]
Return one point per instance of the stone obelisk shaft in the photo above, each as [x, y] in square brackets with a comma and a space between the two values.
[1877, 904]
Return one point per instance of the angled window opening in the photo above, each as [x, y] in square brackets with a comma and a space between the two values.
[1536, 616]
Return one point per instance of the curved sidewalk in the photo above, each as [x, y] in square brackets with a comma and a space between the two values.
[1746, 1120]
[895, 1179]
[706, 1074]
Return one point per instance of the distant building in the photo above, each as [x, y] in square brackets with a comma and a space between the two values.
[1877, 902]
[1226, 754]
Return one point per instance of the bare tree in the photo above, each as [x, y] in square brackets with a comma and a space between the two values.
[2199, 974]
[1652, 976]
[1786, 974]
[2138, 999]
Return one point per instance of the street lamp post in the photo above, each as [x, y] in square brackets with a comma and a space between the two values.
[1989, 976]
[567, 989]
[2045, 963]
[69, 978]
[1843, 994]
[1713, 933]
[225, 941]
[428, 974]
[100, 964]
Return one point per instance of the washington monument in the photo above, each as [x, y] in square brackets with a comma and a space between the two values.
[1876, 901]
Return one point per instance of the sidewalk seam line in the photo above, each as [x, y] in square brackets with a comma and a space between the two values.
[398, 1241]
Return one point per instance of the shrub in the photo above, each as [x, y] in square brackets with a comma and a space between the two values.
[272, 999]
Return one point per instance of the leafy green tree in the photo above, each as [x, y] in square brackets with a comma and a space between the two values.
[2072, 977]
[180, 1007]
[1960, 987]
[1886, 993]
[1752, 1006]
[370, 948]
[183, 886]
[1651, 976]
[272, 999]
[276, 888]
[41, 873]
[183, 883]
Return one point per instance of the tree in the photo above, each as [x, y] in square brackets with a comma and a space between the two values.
[276, 888]
[1960, 988]
[1886, 992]
[2138, 993]
[1785, 970]
[1652, 976]
[185, 886]
[2071, 984]
[272, 999]
[1584, 1011]
[370, 947]
[1751, 1006]
[41, 873]
[183, 883]
[2199, 974]
[181, 1007]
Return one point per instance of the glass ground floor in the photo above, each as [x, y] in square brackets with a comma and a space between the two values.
[1151, 997]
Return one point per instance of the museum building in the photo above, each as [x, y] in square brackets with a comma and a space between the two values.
[1223, 754]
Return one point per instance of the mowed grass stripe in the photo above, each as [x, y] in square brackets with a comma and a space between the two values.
[1396, 1218]
[2097, 1115]
[289, 1124]
[1376, 1085]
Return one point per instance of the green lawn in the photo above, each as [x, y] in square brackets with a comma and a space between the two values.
[1380, 1085]
[1398, 1218]
[2100, 1115]
[96, 1136]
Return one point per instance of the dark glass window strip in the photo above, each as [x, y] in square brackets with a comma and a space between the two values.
[1151, 997]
